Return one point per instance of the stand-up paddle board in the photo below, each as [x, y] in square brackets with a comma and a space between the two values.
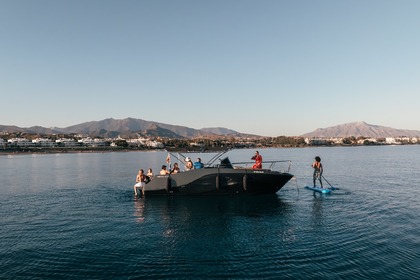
[318, 189]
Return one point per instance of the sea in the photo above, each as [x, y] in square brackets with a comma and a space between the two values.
[75, 216]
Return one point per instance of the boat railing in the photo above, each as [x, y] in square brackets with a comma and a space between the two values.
[181, 157]
[269, 164]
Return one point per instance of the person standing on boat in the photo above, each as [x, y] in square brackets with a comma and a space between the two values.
[258, 161]
[318, 169]
[140, 181]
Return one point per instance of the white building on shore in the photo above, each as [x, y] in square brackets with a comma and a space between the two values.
[89, 142]
[67, 142]
[43, 142]
[154, 144]
[137, 142]
[19, 142]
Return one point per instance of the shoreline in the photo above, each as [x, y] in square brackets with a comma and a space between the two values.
[7, 152]
[10, 152]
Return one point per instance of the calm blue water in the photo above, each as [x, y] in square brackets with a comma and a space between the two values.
[75, 216]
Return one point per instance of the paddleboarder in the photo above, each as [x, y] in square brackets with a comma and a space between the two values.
[318, 169]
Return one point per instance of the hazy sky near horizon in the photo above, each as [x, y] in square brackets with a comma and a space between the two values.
[271, 68]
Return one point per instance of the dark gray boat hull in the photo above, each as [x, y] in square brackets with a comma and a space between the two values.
[218, 181]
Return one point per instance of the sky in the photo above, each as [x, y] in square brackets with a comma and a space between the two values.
[272, 68]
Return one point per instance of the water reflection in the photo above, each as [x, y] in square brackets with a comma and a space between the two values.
[214, 218]
[139, 209]
[317, 209]
[200, 206]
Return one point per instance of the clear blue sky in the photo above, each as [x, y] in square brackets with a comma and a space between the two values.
[263, 67]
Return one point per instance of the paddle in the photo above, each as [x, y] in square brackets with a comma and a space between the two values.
[333, 188]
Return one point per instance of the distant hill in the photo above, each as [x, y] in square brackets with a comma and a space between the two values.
[154, 131]
[358, 129]
[11, 128]
[225, 132]
[31, 130]
[128, 127]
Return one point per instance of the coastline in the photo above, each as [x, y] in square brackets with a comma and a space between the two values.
[19, 151]
[9, 152]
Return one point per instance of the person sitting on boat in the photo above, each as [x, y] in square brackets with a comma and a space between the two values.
[140, 181]
[258, 161]
[198, 164]
[318, 169]
[164, 171]
[175, 169]
[149, 174]
[188, 164]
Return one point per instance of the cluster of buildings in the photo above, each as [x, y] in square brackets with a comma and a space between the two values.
[88, 142]
[73, 143]
[362, 141]
[144, 142]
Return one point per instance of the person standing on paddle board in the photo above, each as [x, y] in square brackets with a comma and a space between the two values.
[317, 166]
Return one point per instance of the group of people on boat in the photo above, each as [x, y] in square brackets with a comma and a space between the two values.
[196, 165]
[189, 165]
[142, 179]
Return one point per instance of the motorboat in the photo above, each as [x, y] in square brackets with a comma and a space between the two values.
[220, 177]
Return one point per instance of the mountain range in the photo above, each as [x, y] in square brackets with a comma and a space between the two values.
[131, 127]
[128, 127]
[358, 129]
